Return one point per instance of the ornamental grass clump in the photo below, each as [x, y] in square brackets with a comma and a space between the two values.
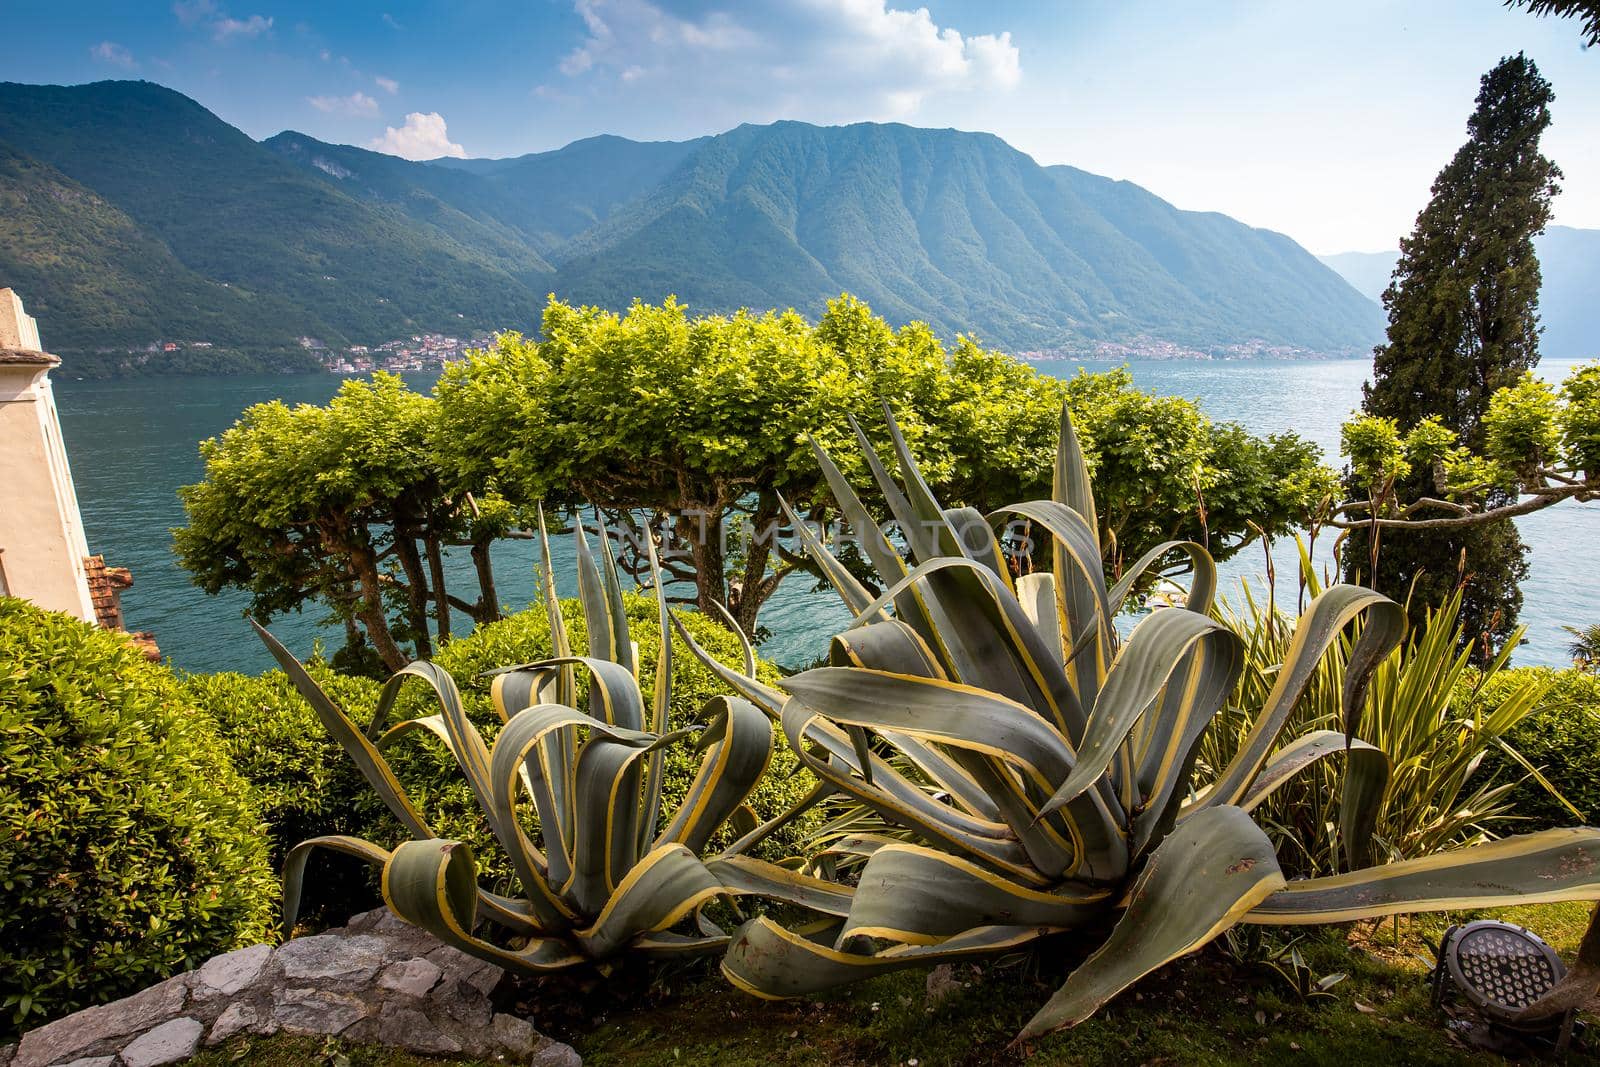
[1040, 770]
[573, 797]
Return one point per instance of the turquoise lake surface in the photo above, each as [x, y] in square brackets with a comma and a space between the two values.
[132, 443]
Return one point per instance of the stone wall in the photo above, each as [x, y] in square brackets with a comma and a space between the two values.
[375, 980]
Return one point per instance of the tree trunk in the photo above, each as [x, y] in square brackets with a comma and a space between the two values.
[753, 586]
[702, 527]
[405, 547]
[370, 611]
[441, 599]
[489, 596]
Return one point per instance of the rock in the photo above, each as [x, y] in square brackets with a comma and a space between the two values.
[64, 1039]
[317, 1011]
[237, 1018]
[6, 1052]
[92, 1061]
[479, 974]
[227, 974]
[516, 1036]
[349, 959]
[408, 1028]
[168, 1043]
[555, 1054]
[413, 977]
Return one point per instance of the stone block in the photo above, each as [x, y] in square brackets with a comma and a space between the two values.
[408, 1028]
[65, 1039]
[228, 974]
[329, 956]
[168, 1043]
[317, 1011]
[413, 977]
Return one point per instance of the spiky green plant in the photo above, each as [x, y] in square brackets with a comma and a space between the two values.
[1044, 768]
[573, 797]
[1585, 647]
[1420, 711]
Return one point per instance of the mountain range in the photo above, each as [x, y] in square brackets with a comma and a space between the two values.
[129, 215]
[1569, 264]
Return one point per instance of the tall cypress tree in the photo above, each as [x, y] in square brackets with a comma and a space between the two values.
[1463, 321]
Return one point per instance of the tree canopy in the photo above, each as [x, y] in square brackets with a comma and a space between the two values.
[1463, 323]
[697, 425]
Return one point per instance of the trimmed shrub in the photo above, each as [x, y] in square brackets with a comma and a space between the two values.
[1561, 738]
[130, 849]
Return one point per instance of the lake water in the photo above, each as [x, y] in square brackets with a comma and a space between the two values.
[132, 443]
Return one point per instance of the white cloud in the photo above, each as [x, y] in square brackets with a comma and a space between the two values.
[823, 60]
[422, 137]
[113, 53]
[254, 26]
[388, 85]
[222, 26]
[356, 105]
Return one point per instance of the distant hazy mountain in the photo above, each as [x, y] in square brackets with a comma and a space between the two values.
[1569, 262]
[135, 215]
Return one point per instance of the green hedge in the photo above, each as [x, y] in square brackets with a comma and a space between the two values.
[129, 847]
[1562, 738]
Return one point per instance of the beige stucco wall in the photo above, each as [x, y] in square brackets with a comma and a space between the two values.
[42, 545]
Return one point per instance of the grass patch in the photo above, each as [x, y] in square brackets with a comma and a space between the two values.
[1209, 1008]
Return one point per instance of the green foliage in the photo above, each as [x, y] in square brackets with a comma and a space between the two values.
[303, 783]
[129, 847]
[1376, 451]
[1560, 736]
[1585, 647]
[1463, 322]
[1428, 442]
[1442, 724]
[1580, 419]
[1519, 429]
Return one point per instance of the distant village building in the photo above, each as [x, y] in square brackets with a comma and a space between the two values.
[44, 556]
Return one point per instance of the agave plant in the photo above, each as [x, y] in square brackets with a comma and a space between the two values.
[1041, 770]
[574, 797]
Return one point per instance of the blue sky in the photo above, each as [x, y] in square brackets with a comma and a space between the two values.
[1327, 122]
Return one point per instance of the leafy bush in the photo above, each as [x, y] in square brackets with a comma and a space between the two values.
[1561, 737]
[129, 847]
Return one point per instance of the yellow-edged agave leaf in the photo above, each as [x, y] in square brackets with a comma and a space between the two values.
[354, 741]
[1163, 644]
[1198, 882]
[878, 549]
[745, 875]
[1527, 869]
[1202, 591]
[850, 590]
[664, 887]
[432, 884]
[760, 694]
[729, 771]
[294, 868]
[771, 962]
[921, 896]
[1366, 779]
[921, 536]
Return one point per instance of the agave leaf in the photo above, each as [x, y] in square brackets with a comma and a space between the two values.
[759, 693]
[1159, 647]
[921, 896]
[978, 541]
[660, 704]
[1198, 882]
[742, 875]
[560, 647]
[729, 772]
[294, 869]
[662, 888]
[1318, 628]
[354, 741]
[1527, 869]
[989, 737]
[1202, 587]
[773, 963]
[878, 549]
[922, 539]
[606, 798]
[851, 591]
[897, 799]
[432, 884]
[616, 615]
[1037, 595]
[818, 793]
